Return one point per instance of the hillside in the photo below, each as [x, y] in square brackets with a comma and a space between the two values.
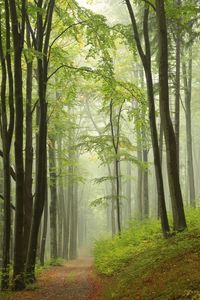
[142, 265]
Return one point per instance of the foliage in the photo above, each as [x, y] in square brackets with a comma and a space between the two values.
[111, 255]
[58, 262]
[140, 252]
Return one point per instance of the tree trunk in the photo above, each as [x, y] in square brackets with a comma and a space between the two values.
[146, 60]
[128, 191]
[66, 225]
[44, 230]
[60, 199]
[188, 98]
[171, 147]
[73, 227]
[28, 201]
[145, 150]
[54, 200]
[139, 178]
[42, 68]
[6, 143]
[145, 197]
[115, 134]
[177, 87]
[18, 41]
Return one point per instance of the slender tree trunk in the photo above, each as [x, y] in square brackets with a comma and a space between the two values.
[18, 41]
[6, 165]
[161, 157]
[28, 202]
[73, 227]
[128, 191]
[139, 178]
[188, 98]
[42, 68]
[115, 135]
[145, 186]
[54, 200]
[60, 199]
[145, 179]
[44, 230]
[66, 216]
[70, 206]
[146, 60]
[177, 87]
[171, 147]
[113, 190]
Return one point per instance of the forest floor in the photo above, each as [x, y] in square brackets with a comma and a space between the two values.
[76, 280]
[140, 265]
[174, 278]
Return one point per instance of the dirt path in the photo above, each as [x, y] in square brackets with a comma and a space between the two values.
[74, 281]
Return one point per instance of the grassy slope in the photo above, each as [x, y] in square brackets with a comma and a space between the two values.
[141, 265]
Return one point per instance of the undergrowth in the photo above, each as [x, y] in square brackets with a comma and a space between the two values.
[140, 252]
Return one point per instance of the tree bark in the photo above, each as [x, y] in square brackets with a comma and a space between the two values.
[42, 68]
[54, 200]
[188, 98]
[28, 197]
[66, 216]
[61, 213]
[177, 87]
[18, 41]
[73, 227]
[139, 178]
[146, 60]
[6, 135]
[44, 230]
[145, 197]
[115, 142]
[128, 191]
[171, 146]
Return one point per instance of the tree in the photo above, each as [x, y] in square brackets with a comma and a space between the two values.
[54, 197]
[6, 134]
[18, 28]
[146, 61]
[28, 180]
[187, 80]
[42, 46]
[115, 118]
[171, 146]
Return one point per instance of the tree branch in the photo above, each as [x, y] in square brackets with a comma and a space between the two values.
[135, 30]
[11, 205]
[85, 69]
[31, 32]
[150, 4]
[12, 171]
[63, 32]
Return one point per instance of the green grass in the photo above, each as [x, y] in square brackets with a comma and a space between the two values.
[142, 265]
[58, 262]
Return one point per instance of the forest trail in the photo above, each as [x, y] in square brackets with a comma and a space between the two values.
[76, 280]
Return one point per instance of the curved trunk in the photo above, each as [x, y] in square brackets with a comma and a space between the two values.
[170, 140]
[146, 60]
